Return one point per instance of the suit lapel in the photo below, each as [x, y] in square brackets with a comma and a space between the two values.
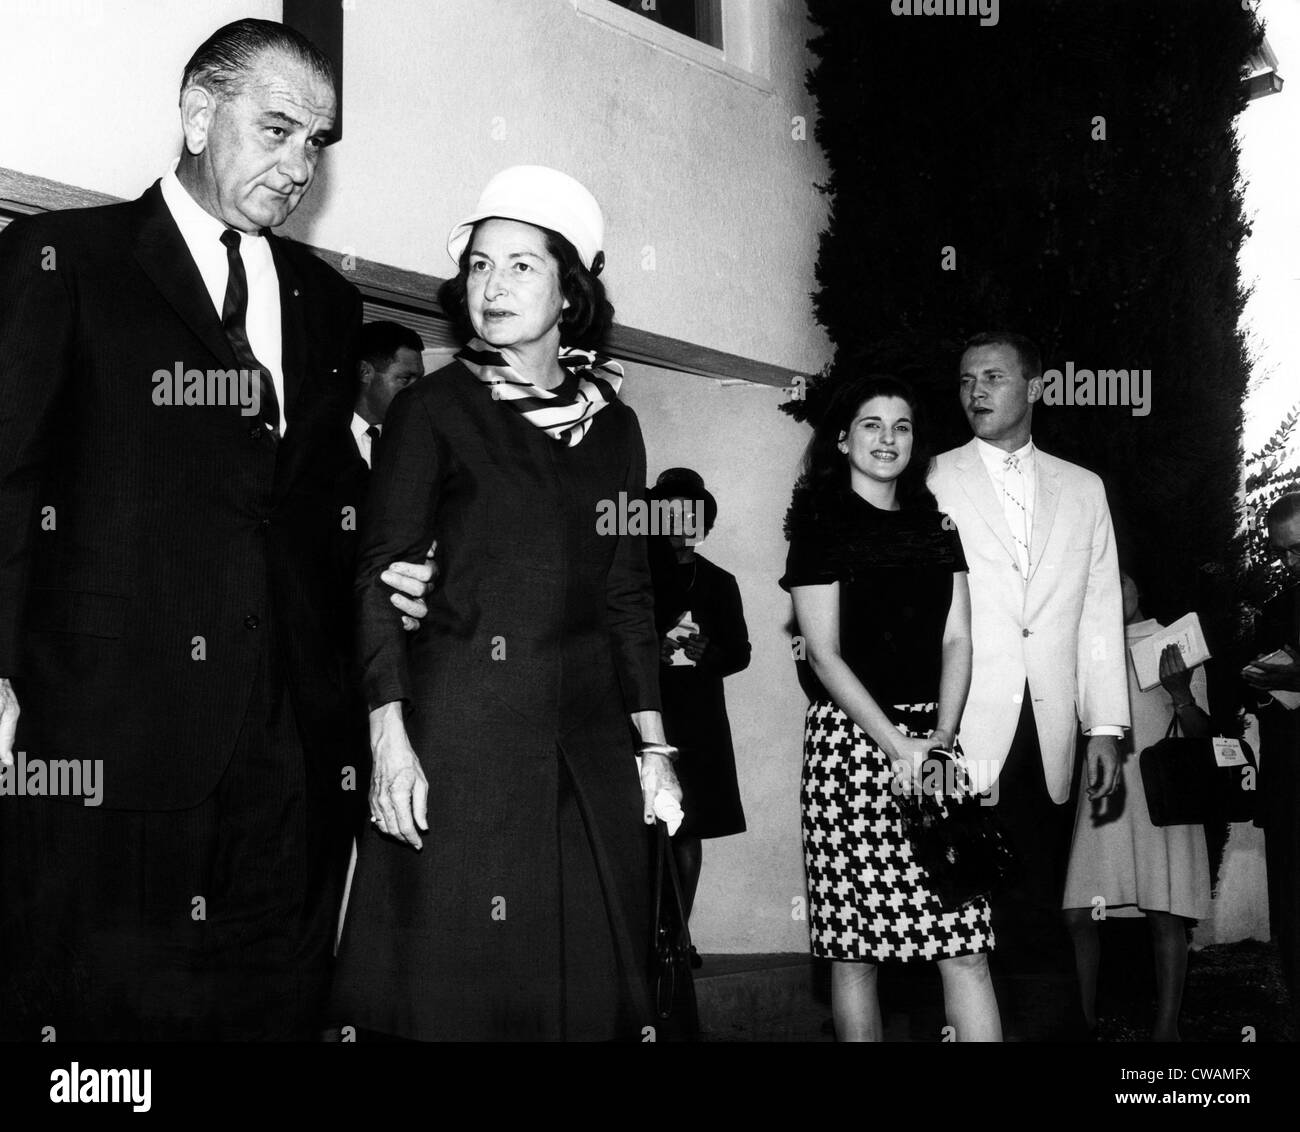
[1047, 491]
[161, 251]
[974, 480]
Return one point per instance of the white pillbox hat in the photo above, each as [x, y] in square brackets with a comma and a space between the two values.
[536, 194]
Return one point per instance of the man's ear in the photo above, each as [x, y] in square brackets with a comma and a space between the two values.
[1035, 390]
[198, 107]
[365, 373]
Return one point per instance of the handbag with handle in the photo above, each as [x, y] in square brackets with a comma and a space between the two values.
[955, 837]
[1186, 783]
[671, 982]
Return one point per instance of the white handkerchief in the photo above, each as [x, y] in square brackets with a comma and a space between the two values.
[667, 809]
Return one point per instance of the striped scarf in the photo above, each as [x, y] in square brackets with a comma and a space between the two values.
[565, 415]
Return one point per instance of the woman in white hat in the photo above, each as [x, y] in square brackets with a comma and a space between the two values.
[501, 891]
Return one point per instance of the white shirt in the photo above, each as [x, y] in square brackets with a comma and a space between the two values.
[359, 434]
[995, 464]
[202, 234]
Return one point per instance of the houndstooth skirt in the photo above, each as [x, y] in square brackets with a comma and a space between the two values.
[868, 900]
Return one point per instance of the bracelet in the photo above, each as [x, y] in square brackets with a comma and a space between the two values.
[668, 752]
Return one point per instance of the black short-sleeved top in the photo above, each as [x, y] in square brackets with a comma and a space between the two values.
[895, 573]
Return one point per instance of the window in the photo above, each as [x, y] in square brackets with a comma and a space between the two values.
[727, 36]
[699, 19]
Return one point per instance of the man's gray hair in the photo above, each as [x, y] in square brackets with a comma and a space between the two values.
[224, 59]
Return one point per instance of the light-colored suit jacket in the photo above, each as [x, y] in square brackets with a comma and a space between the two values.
[1062, 631]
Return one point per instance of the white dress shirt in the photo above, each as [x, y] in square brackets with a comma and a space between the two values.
[202, 234]
[362, 437]
[995, 464]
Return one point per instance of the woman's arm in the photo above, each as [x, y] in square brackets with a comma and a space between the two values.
[954, 683]
[397, 525]
[629, 598]
[817, 609]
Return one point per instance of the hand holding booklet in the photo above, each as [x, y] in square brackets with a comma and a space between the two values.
[684, 628]
[1185, 633]
[1279, 658]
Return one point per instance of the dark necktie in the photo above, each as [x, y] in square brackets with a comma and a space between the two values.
[372, 431]
[234, 317]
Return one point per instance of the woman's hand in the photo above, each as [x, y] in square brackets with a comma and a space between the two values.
[657, 774]
[942, 737]
[399, 792]
[907, 756]
[694, 646]
[1174, 675]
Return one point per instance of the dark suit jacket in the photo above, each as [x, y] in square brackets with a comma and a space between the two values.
[132, 529]
[1279, 729]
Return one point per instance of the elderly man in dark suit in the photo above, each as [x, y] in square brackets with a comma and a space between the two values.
[175, 396]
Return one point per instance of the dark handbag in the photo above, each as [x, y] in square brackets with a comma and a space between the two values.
[1185, 785]
[676, 1011]
[955, 835]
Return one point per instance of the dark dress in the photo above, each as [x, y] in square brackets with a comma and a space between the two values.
[867, 898]
[695, 707]
[525, 914]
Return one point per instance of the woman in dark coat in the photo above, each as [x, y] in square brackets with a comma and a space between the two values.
[504, 730]
[692, 668]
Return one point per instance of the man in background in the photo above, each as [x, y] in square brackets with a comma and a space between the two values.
[388, 360]
[1279, 741]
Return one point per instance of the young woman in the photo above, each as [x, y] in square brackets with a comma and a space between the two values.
[879, 587]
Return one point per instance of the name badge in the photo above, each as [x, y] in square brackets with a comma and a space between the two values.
[1228, 752]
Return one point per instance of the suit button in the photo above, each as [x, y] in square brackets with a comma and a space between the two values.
[263, 523]
[251, 621]
[254, 432]
[1024, 632]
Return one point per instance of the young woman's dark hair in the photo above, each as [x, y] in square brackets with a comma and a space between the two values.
[584, 323]
[824, 472]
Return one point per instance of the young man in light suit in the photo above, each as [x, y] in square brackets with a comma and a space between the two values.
[1048, 637]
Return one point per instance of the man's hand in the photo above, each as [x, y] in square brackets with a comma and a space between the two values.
[412, 582]
[1273, 677]
[667, 647]
[8, 722]
[399, 791]
[1103, 765]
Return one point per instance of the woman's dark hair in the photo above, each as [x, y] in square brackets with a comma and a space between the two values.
[825, 469]
[585, 321]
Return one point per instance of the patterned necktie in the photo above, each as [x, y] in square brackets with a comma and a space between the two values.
[234, 316]
[1013, 506]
